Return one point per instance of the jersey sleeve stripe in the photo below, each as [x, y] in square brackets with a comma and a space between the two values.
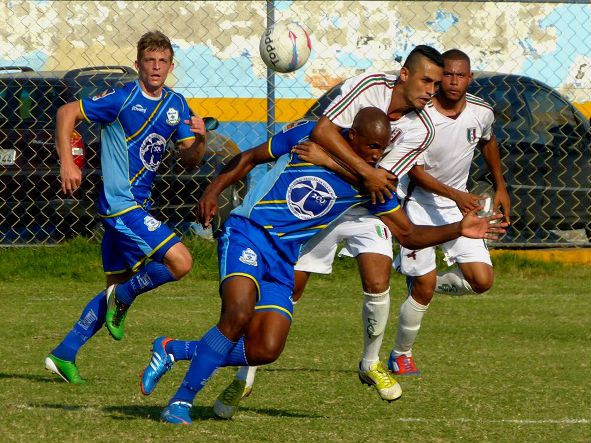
[478, 101]
[185, 139]
[83, 113]
[405, 162]
[269, 148]
[373, 80]
[390, 211]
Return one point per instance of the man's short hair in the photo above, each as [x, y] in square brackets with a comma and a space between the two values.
[456, 54]
[422, 51]
[153, 41]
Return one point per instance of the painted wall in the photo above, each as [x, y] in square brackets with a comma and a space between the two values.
[216, 44]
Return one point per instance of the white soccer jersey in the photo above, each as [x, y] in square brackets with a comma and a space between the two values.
[450, 154]
[411, 134]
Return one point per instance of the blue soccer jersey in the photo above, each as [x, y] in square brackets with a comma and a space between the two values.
[135, 131]
[295, 199]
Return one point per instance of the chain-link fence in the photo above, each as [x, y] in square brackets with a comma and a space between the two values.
[542, 111]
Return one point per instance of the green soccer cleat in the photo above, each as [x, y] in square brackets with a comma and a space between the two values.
[227, 403]
[64, 368]
[116, 313]
[379, 376]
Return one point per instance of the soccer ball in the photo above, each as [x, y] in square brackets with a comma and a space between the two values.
[285, 46]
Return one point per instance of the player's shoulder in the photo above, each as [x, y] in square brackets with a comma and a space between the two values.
[370, 80]
[176, 97]
[477, 104]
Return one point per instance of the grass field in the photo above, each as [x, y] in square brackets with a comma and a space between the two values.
[513, 365]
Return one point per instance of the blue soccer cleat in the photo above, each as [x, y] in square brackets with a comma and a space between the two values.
[177, 413]
[160, 363]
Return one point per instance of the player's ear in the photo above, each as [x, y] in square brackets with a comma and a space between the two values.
[404, 73]
[352, 134]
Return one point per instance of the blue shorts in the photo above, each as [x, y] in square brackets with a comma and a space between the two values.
[131, 238]
[245, 249]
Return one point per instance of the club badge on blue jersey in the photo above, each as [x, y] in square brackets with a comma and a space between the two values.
[172, 117]
[310, 197]
[152, 150]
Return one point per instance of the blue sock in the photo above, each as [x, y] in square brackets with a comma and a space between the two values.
[211, 352]
[150, 276]
[184, 350]
[91, 321]
[237, 356]
[181, 349]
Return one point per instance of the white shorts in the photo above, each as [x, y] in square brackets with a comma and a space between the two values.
[361, 232]
[460, 250]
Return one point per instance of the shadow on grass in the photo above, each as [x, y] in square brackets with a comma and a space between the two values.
[127, 412]
[41, 378]
[322, 370]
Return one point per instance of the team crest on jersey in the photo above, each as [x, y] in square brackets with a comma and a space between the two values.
[471, 134]
[151, 223]
[172, 117]
[309, 197]
[152, 150]
[103, 94]
[249, 257]
[396, 133]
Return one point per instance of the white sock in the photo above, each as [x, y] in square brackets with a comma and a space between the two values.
[247, 373]
[409, 323]
[452, 282]
[376, 308]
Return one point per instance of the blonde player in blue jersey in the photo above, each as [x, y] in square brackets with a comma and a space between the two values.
[261, 242]
[139, 252]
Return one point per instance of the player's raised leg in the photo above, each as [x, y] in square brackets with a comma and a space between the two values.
[62, 359]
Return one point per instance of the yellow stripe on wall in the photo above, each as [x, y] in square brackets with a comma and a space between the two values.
[585, 108]
[250, 109]
[286, 109]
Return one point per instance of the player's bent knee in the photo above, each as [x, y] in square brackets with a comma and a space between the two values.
[481, 285]
[375, 286]
[266, 351]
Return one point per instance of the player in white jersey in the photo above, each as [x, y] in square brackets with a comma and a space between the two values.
[367, 238]
[435, 193]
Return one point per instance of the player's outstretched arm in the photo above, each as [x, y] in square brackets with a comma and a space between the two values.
[413, 236]
[490, 152]
[236, 169]
[379, 182]
[67, 117]
[191, 152]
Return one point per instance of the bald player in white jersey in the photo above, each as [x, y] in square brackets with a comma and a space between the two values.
[435, 193]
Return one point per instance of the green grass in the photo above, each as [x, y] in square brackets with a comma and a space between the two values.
[509, 366]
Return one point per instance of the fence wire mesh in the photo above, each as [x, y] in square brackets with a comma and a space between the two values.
[46, 48]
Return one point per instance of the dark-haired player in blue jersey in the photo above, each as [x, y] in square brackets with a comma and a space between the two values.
[261, 242]
[139, 252]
